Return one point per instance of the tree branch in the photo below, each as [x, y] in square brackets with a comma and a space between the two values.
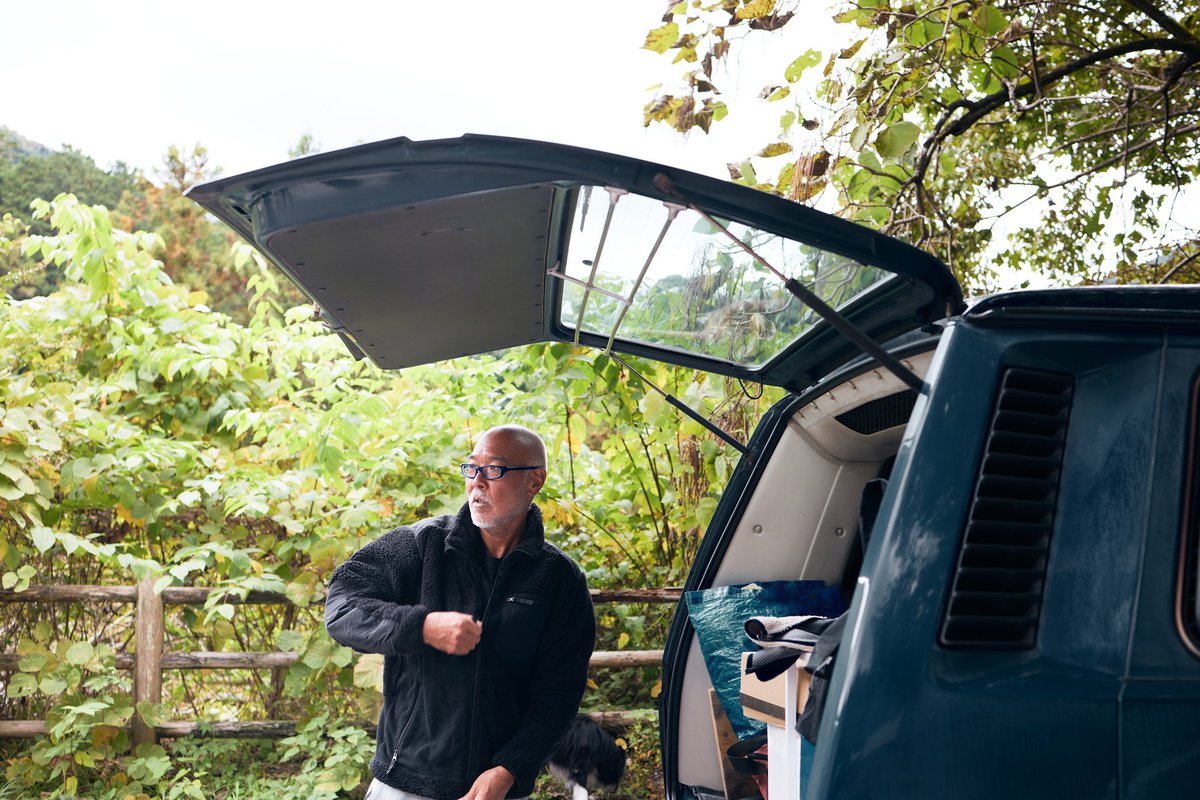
[986, 105]
[1104, 133]
[1108, 162]
[1165, 21]
[978, 109]
[1175, 269]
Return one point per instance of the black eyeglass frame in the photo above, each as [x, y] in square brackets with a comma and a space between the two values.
[470, 471]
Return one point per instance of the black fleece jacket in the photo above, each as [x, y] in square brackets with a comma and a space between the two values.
[446, 719]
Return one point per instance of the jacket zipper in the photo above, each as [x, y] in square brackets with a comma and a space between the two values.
[478, 657]
[400, 736]
[475, 678]
[525, 601]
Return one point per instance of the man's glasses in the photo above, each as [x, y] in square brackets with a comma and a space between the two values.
[490, 472]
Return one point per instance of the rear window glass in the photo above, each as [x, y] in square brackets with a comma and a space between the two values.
[658, 274]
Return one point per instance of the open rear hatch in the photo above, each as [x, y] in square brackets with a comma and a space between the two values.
[418, 252]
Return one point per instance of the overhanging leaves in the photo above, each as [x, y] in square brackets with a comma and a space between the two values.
[1001, 106]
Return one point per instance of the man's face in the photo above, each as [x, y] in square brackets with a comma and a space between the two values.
[500, 506]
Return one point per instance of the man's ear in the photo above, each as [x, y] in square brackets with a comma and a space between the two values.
[537, 479]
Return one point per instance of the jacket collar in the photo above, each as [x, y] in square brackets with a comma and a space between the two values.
[465, 537]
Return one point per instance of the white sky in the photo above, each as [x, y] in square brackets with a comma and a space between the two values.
[124, 80]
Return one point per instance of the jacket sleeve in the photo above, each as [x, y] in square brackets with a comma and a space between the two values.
[372, 604]
[561, 669]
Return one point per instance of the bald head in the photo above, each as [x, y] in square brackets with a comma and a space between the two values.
[500, 505]
[523, 445]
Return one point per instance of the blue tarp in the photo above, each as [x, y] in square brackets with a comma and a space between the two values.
[718, 615]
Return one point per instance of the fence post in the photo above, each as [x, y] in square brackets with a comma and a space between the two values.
[147, 669]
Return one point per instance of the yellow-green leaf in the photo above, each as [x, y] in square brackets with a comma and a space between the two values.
[858, 136]
[43, 538]
[1005, 62]
[660, 40]
[32, 662]
[292, 641]
[810, 59]
[151, 713]
[898, 139]
[80, 653]
[22, 685]
[327, 782]
[775, 149]
[990, 19]
[318, 654]
[52, 685]
[852, 49]
[368, 672]
[325, 554]
[756, 9]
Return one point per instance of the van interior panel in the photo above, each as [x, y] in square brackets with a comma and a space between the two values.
[807, 532]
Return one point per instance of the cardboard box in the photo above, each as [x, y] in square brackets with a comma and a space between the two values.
[763, 700]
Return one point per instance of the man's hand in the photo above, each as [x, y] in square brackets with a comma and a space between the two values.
[491, 785]
[451, 632]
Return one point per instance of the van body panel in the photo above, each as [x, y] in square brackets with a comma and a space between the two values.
[1072, 714]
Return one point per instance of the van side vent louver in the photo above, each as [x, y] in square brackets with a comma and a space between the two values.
[879, 415]
[996, 595]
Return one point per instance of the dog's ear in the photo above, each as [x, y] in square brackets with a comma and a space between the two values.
[614, 762]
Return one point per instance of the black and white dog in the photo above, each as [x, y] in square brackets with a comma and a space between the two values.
[587, 758]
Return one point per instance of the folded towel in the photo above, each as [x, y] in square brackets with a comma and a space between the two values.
[797, 632]
[772, 662]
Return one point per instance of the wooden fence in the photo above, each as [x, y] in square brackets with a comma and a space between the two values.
[149, 658]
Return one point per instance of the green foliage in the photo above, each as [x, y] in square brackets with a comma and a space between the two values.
[84, 751]
[305, 146]
[333, 758]
[145, 434]
[195, 251]
[1045, 137]
[27, 176]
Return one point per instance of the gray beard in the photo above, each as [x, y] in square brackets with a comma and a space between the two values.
[496, 520]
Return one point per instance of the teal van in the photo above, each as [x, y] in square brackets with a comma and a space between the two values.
[1023, 619]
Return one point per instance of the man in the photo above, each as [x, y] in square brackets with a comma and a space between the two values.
[486, 631]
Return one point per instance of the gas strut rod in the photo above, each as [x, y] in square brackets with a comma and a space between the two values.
[670, 398]
[806, 296]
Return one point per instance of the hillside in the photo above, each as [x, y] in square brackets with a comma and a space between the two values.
[14, 146]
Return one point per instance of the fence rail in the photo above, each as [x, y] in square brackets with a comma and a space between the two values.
[150, 659]
[198, 595]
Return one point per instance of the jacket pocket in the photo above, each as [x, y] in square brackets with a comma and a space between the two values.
[429, 738]
[516, 627]
[406, 721]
